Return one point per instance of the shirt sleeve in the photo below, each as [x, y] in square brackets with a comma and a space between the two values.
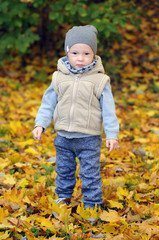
[45, 113]
[110, 121]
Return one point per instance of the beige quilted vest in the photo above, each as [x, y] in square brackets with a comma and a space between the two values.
[78, 107]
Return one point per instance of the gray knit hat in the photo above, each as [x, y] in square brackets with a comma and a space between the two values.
[81, 34]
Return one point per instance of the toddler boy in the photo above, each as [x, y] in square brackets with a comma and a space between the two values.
[78, 100]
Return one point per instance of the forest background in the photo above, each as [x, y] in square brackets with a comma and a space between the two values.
[31, 41]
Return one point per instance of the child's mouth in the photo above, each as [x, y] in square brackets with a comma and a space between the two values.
[80, 65]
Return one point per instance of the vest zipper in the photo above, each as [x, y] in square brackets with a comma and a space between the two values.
[73, 102]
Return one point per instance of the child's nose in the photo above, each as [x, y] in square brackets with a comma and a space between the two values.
[80, 57]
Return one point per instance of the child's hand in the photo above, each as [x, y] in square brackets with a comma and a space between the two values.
[111, 144]
[37, 133]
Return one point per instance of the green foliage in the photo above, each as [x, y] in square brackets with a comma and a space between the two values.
[17, 22]
[25, 22]
[48, 170]
[154, 87]
[35, 231]
[41, 75]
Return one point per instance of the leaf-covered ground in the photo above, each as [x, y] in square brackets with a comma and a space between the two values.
[130, 174]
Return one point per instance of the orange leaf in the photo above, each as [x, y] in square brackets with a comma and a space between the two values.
[111, 216]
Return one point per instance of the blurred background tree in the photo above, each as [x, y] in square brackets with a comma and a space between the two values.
[26, 23]
[30, 28]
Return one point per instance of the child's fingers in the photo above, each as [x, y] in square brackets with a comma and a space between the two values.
[111, 144]
[110, 147]
[37, 133]
[107, 144]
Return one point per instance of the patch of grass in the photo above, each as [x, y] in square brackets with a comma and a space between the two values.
[3, 132]
[48, 170]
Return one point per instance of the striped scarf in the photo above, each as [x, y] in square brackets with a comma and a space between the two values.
[87, 68]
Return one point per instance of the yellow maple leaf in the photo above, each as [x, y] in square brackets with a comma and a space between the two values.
[26, 199]
[111, 216]
[2, 214]
[151, 113]
[4, 163]
[129, 26]
[9, 180]
[131, 204]
[141, 140]
[128, 36]
[110, 165]
[13, 195]
[145, 237]
[13, 156]
[142, 87]
[33, 112]
[46, 224]
[31, 103]
[5, 226]
[64, 214]
[117, 180]
[4, 236]
[16, 127]
[122, 192]
[41, 179]
[23, 183]
[153, 178]
[115, 204]
[23, 144]
[54, 207]
[155, 209]
[150, 229]
[110, 228]
[32, 151]
[20, 165]
[87, 213]
[43, 222]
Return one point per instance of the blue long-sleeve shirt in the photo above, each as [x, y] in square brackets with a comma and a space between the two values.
[45, 113]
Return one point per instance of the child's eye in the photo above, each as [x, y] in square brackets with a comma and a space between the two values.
[74, 53]
[86, 53]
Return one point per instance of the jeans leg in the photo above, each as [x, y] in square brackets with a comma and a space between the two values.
[89, 155]
[65, 168]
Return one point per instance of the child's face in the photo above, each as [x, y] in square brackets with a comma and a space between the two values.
[80, 55]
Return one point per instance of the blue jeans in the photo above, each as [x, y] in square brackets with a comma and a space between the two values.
[87, 150]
